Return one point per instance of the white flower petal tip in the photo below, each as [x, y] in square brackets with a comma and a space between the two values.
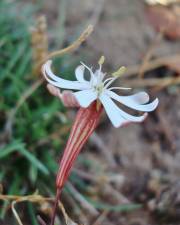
[60, 82]
[127, 122]
[155, 103]
[79, 72]
[141, 97]
[98, 88]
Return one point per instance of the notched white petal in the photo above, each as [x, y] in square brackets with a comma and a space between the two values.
[141, 97]
[116, 115]
[79, 72]
[59, 82]
[132, 102]
[112, 111]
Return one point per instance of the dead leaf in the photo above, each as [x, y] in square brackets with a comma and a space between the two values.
[166, 20]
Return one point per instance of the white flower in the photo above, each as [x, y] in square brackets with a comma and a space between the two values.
[96, 88]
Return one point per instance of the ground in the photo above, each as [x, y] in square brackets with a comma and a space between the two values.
[145, 156]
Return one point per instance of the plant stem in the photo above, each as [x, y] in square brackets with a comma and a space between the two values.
[58, 193]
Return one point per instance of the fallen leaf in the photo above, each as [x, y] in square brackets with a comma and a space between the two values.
[165, 19]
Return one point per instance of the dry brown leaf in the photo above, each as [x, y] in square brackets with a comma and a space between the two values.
[166, 20]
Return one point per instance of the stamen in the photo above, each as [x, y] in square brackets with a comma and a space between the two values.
[90, 69]
[101, 60]
[119, 88]
[108, 79]
[86, 66]
[101, 75]
[115, 75]
[119, 72]
[110, 82]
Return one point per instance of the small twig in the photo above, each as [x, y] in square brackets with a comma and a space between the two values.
[15, 213]
[97, 12]
[166, 128]
[79, 212]
[31, 198]
[41, 221]
[116, 195]
[18, 199]
[71, 47]
[149, 53]
[84, 203]
[35, 198]
[66, 217]
[60, 33]
[153, 64]
[85, 175]
[101, 218]
[150, 82]
[95, 139]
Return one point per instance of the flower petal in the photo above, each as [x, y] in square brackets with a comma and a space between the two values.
[112, 111]
[79, 72]
[132, 102]
[90, 71]
[59, 82]
[69, 99]
[116, 115]
[141, 97]
[85, 97]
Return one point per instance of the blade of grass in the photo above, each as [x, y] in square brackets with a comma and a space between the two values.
[32, 214]
[15, 57]
[116, 208]
[19, 147]
[61, 22]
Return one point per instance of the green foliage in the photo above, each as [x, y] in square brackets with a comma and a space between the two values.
[28, 155]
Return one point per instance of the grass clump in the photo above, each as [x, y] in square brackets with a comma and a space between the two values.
[26, 138]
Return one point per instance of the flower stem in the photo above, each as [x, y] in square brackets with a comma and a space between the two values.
[55, 205]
